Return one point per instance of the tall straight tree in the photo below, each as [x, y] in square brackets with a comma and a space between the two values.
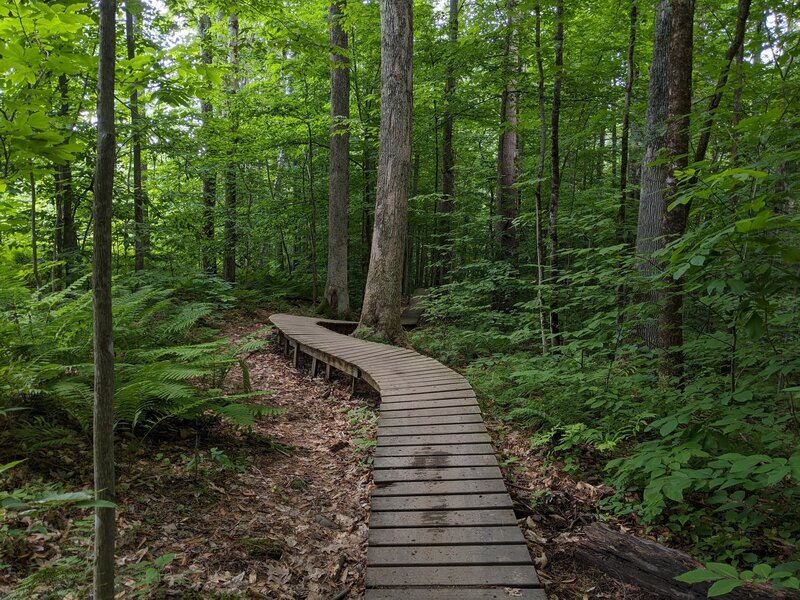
[229, 251]
[654, 173]
[136, 140]
[674, 222]
[336, 291]
[209, 171]
[540, 175]
[381, 310]
[66, 237]
[103, 430]
[555, 172]
[626, 128]
[448, 154]
[507, 196]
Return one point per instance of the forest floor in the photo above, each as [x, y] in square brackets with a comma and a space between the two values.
[281, 512]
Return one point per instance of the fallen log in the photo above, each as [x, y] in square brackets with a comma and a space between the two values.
[652, 566]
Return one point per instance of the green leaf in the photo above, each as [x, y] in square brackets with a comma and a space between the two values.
[163, 561]
[698, 576]
[762, 570]
[723, 586]
[723, 569]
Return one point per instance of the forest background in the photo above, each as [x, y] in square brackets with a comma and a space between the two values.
[614, 271]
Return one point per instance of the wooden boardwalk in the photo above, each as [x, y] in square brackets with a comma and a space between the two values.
[442, 524]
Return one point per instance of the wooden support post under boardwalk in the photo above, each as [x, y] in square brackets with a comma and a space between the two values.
[442, 525]
[327, 372]
[296, 355]
[313, 367]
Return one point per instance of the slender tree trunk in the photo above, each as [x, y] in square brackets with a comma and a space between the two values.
[67, 236]
[674, 222]
[540, 177]
[654, 176]
[103, 430]
[336, 290]
[555, 173]
[742, 14]
[507, 196]
[34, 242]
[312, 199]
[229, 254]
[448, 154]
[209, 169]
[626, 126]
[381, 310]
[136, 139]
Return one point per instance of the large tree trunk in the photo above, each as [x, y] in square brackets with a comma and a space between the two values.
[448, 154]
[209, 171]
[654, 176]
[136, 139]
[540, 177]
[381, 310]
[229, 252]
[507, 196]
[674, 222]
[336, 291]
[103, 429]
[555, 173]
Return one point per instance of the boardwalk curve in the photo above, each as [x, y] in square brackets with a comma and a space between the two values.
[442, 525]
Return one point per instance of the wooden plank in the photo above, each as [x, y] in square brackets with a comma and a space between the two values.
[403, 390]
[484, 593]
[387, 407]
[394, 421]
[434, 460]
[386, 430]
[436, 474]
[472, 409]
[445, 536]
[424, 449]
[434, 488]
[494, 575]
[488, 554]
[449, 502]
[434, 440]
[429, 396]
[443, 518]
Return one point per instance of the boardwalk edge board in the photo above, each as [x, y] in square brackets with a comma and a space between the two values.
[442, 524]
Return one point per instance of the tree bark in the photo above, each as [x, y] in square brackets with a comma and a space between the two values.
[381, 310]
[136, 139]
[555, 173]
[507, 196]
[674, 221]
[209, 170]
[654, 176]
[103, 336]
[229, 253]
[336, 290]
[540, 177]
